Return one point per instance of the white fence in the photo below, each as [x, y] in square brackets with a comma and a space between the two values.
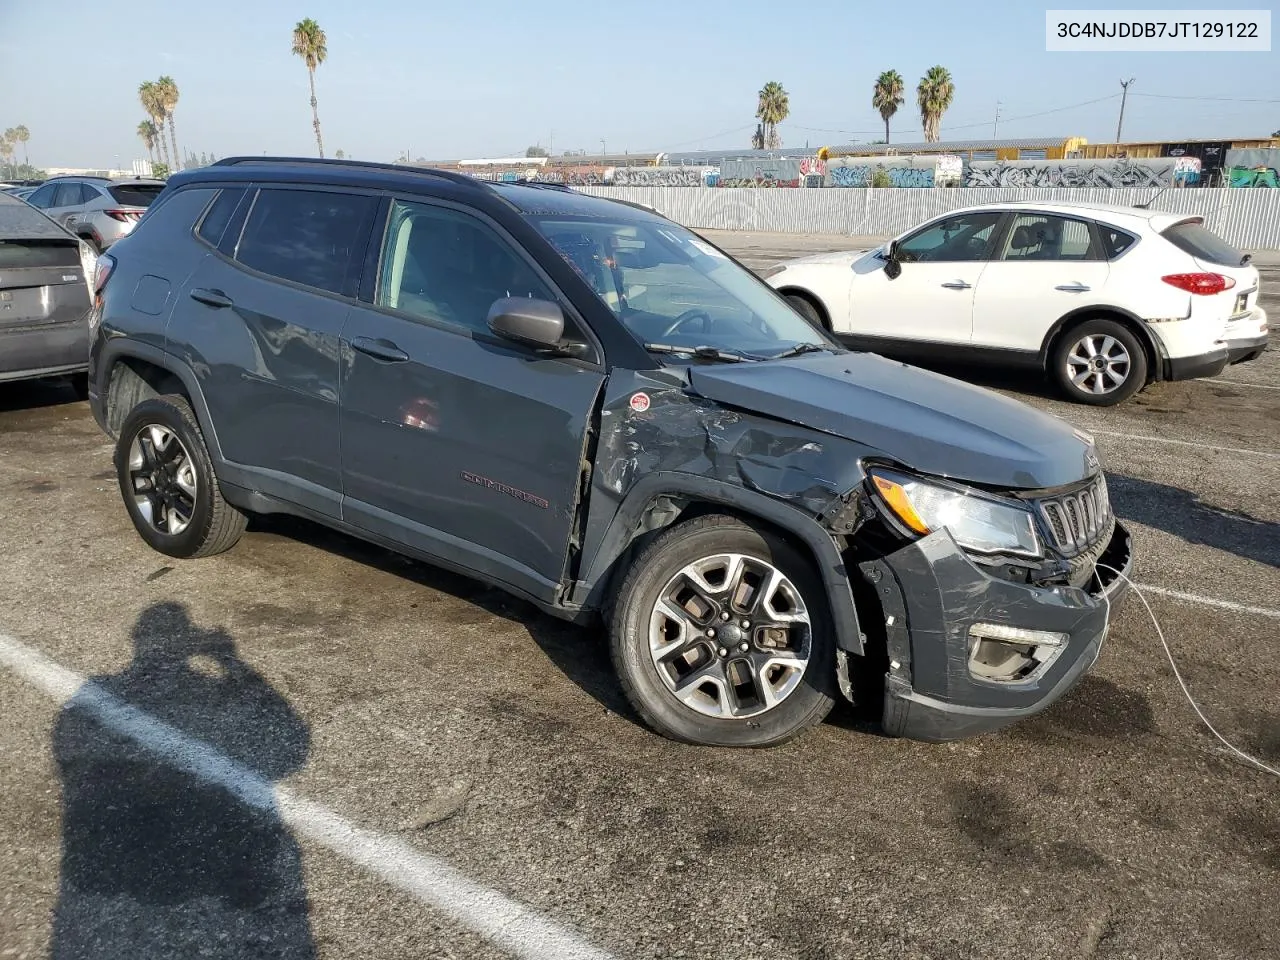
[1249, 219]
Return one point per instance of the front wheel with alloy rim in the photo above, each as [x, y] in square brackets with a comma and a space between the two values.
[1100, 363]
[720, 635]
[167, 482]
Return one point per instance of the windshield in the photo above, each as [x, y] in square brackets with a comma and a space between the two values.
[674, 290]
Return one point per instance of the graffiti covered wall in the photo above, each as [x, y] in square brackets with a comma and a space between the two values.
[1144, 172]
[1253, 168]
[936, 171]
[673, 176]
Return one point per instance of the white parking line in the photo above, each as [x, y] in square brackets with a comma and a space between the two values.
[1210, 601]
[509, 924]
[1185, 443]
[1241, 383]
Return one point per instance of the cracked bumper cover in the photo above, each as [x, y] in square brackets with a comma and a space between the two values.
[932, 593]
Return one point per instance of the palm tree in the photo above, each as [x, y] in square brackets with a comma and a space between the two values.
[6, 149]
[771, 109]
[149, 96]
[934, 95]
[21, 135]
[309, 44]
[887, 97]
[168, 91]
[147, 132]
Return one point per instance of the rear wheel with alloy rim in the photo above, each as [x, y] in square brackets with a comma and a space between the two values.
[721, 636]
[167, 482]
[1100, 363]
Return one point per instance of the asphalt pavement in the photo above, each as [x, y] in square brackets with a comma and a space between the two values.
[310, 747]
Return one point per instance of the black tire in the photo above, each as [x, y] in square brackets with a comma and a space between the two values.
[629, 632]
[1066, 363]
[214, 525]
[80, 384]
[804, 306]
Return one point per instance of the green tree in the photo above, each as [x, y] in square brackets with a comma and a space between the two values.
[934, 95]
[168, 93]
[21, 135]
[887, 97]
[309, 44]
[881, 178]
[160, 171]
[149, 97]
[536, 151]
[340, 155]
[148, 133]
[6, 149]
[772, 107]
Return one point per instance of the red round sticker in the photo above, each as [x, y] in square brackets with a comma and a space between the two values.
[639, 402]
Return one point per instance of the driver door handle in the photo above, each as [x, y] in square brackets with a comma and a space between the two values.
[957, 285]
[380, 349]
[1073, 288]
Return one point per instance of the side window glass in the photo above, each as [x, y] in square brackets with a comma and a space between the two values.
[88, 193]
[43, 198]
[1114, 242]
[1038, 236]
[68, 195]
[219, 215]
[446, 266]
[308, 236]
[959, 238]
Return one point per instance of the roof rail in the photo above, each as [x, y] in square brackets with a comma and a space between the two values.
[460, 178]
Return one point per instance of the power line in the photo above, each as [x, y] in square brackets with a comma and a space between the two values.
[725, 133]
[1170, 96]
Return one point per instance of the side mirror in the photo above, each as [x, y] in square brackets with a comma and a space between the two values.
[535, 323]
[892, 266]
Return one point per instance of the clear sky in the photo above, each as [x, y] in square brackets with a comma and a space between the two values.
[471, 79]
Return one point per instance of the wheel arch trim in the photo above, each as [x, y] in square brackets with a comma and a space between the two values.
[1126, 318]
[822, 549]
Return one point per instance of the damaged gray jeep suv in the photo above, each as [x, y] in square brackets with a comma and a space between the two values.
[593, 408]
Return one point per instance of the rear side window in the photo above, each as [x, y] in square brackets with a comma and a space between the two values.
[16, 254]
[1040, 236]
[135, 194]
[1203, 244]
[307, 236]
[219, 215]
[1114, 242]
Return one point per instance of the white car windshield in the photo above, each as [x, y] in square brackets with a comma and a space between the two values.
[676, 293]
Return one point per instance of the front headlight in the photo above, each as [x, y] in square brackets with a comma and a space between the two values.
[974, 521]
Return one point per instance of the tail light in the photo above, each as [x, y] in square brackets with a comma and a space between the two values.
[124, 216]
[102, 273]
[1201, 284]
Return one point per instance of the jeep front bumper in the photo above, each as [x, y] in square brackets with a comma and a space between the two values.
[970, 652]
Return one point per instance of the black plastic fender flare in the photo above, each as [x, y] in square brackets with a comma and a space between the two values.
[830, 564]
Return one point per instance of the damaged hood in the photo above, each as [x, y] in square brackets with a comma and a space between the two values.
[930, 423]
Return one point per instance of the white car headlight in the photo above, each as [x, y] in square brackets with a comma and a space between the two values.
[975, 522]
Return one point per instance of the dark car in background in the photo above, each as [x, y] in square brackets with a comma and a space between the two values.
[44, 297]
[595, 409]
[98, 210]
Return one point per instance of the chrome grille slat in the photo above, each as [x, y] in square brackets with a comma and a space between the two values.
[1075, 521]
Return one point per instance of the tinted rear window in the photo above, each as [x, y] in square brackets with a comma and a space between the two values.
[1114, 242]
[136, 194]
[15, 254]
[307, 236]
[1203, 244]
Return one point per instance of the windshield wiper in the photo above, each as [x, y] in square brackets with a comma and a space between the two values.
[704, 352]
[800, 348]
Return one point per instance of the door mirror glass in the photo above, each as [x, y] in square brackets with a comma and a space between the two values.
[535, 323]
[892, 265]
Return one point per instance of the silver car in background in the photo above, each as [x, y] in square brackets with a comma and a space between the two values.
[98, 210]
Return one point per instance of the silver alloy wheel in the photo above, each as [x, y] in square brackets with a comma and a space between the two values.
[162, 476]
[1098, 363]
[730, 636]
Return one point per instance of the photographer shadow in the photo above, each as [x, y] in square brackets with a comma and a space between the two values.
[158, 862]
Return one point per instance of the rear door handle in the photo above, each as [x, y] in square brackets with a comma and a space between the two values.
[212, 298]
[1073, 288]
[957, 285]
[380, 349]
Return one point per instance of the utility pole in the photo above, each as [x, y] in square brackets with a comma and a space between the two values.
[996, 122]
[603, 149]
[551, 144]
[1123, 96]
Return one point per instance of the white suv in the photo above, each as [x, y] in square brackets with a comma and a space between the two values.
[1105, 299]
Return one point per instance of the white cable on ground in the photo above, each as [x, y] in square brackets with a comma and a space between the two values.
[1176, 672]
